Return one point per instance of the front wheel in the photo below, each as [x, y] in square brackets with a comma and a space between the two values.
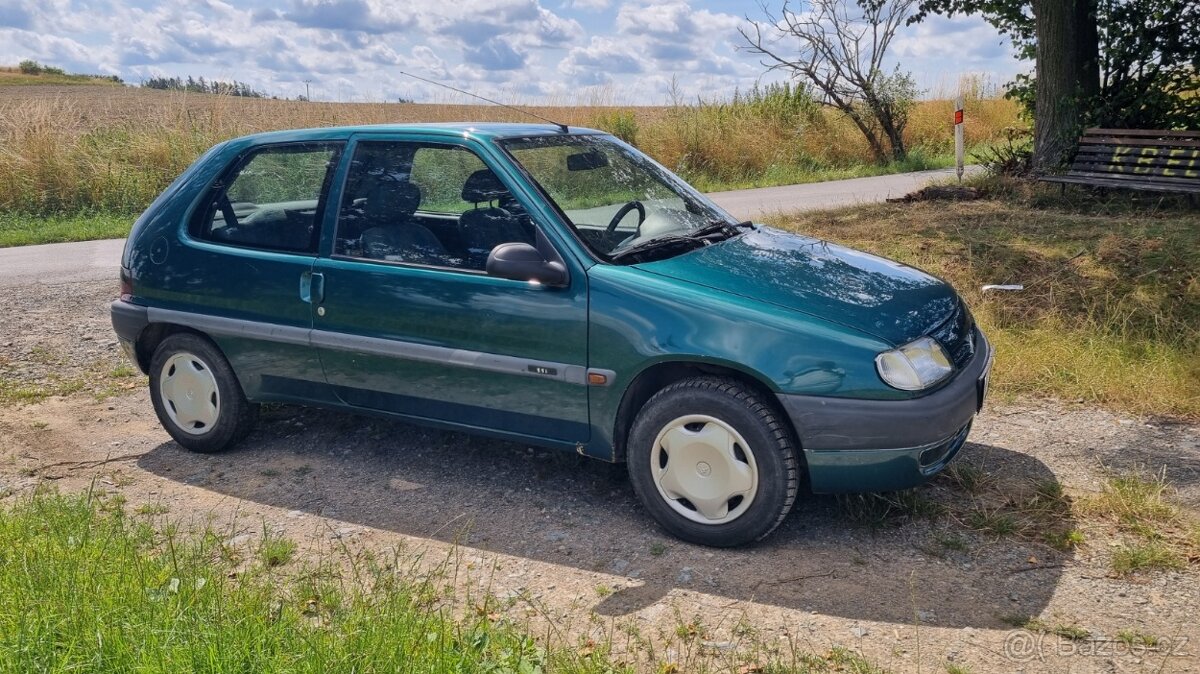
[713, 463]
[196, 395]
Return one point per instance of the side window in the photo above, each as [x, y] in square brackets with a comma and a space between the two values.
[273, 199]
[428, 204]
[440, 173]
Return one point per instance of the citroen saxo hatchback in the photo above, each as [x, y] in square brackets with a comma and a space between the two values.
[549, 286]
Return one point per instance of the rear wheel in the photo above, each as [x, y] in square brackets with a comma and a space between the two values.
[712, 462]
[196, 395]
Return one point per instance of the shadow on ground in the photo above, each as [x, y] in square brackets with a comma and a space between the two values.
[563, 509]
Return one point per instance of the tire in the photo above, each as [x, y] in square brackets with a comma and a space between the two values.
[196, 395]
[740, 495]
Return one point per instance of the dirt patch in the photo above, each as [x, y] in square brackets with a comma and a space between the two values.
[915, 583]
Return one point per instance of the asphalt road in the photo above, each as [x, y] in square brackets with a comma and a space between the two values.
[98, 260]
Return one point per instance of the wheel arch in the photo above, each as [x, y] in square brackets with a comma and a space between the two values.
[659, 375]
[154, 334]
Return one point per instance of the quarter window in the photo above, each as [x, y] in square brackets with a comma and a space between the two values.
[273, 199]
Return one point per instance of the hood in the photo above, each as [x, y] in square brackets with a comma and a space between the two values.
[886, 299]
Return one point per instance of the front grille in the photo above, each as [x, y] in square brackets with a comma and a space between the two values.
[957, 335]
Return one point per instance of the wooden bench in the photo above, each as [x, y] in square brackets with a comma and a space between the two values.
[1135, 159]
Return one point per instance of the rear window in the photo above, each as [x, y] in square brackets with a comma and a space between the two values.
[272, 199]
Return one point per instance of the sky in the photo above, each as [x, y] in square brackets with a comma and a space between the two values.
[531, 51]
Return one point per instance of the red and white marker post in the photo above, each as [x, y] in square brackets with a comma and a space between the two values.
[958, 137]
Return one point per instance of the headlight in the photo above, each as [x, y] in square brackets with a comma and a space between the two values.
[914, 366]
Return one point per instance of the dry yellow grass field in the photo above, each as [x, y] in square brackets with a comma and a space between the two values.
[69, 149]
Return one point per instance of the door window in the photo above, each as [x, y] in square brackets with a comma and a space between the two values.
[426, 204]
[273, 199]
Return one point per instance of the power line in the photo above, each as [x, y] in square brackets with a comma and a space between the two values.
[560, 125]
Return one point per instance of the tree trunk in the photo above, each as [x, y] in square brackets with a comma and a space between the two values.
[1087, 41]
[895, 138]
[1068, 71]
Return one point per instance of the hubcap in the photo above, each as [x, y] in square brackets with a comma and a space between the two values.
[189, 393]
[704, 469]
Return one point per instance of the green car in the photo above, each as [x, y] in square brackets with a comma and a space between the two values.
[549, 286]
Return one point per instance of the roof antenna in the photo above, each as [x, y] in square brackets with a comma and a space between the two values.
[561, 127]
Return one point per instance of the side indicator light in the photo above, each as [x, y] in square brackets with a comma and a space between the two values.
[597, 379]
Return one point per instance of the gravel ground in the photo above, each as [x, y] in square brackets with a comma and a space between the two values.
[564, 541]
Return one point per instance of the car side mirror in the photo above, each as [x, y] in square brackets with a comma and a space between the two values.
[523, 262]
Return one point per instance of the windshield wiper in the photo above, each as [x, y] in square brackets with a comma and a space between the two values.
[706, 235]
[658, 242]
[719, 227]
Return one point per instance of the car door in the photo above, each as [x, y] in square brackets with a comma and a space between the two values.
[410, 323]
[244, 272]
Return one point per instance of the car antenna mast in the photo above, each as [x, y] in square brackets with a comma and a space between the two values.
[562, 127]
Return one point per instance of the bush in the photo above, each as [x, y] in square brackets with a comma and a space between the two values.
[30, 67]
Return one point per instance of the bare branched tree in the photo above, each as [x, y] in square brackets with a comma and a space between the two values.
[838, 46]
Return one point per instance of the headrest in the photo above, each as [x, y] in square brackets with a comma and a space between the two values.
[482, 185]
[393, 198]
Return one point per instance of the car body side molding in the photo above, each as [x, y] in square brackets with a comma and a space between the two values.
[477, 360]
[231, 327]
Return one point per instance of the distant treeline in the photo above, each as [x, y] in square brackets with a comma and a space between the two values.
[202, 86]
[31, 67]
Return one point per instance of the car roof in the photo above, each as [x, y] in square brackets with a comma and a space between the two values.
[479, 130]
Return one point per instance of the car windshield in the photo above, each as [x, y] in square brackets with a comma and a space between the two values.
[621, 203]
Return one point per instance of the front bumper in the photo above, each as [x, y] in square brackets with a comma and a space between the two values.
[853, 445]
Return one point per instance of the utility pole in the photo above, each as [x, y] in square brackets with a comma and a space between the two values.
[307, 95]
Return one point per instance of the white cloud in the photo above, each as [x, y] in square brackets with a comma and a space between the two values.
[530, 48]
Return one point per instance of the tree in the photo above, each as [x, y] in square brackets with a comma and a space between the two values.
[1112, 63]
[1149, 64]
[839, 51]
[1066, 73]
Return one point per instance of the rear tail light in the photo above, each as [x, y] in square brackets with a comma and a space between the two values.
[126, 285]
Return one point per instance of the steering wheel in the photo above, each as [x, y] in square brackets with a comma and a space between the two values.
[616, 219]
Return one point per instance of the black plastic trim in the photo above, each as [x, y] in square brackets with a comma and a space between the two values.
[128, 320]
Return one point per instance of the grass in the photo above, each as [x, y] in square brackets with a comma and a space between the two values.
[1110, 313]
[97, 378]
[18, 391]
[1157, 534]
[23, 229]
[152, 509]
[14, 77]
[1035, 624]
[84, 587]
[113, 149]
[276, 550]
[1145, 556]
[1135, 638]
[878, 510]
[82, 590]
